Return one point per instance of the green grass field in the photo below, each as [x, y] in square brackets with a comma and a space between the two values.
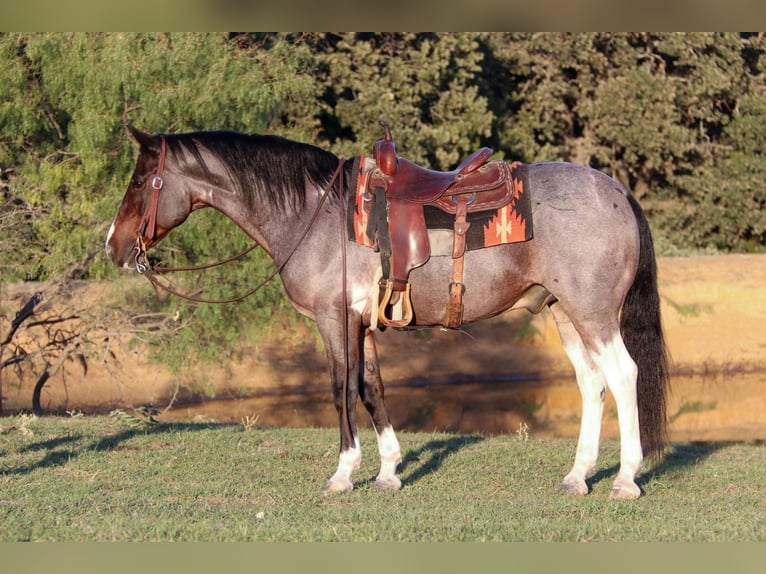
[115, 478]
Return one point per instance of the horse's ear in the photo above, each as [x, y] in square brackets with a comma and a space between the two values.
[141, 138]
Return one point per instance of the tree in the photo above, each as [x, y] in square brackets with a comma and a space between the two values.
[66, 157]
[54, 331]
[650, 109]
[422, 84]
[726, 209]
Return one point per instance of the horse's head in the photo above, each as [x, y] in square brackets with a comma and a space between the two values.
[152, 206]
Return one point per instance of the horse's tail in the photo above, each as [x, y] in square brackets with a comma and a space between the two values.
[641, 329]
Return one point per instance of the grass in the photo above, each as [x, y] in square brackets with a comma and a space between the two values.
[690, 310]
[89, 478]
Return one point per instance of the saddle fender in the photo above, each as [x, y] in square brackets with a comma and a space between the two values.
[410, 231]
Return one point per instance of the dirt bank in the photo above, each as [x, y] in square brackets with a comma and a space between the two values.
[501, 375]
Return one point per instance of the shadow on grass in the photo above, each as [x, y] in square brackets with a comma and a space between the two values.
[679, 457]
[429, 458]
[56, 456]
[51, 443]
[112, 441]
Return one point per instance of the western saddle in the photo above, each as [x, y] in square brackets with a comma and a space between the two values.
[401, 189]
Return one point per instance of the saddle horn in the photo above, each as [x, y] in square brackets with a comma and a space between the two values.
[385, 151]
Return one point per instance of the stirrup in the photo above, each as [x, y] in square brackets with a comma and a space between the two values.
[406, 306]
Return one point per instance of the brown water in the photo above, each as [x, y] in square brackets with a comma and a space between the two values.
[720, 406]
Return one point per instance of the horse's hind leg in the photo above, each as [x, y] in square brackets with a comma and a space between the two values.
[592, 386]
[621, 376]
[601, 359]
[372, 398]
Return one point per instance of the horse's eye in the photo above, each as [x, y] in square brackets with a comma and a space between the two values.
[138, 183]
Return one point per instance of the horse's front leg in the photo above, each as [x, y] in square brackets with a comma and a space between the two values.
[344, 372]
[372, 398]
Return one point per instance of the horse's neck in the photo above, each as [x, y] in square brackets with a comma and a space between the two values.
[275, 230]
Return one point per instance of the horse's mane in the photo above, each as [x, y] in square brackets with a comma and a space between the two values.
[264, 168]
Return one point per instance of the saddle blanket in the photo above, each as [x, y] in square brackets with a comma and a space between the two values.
[511, 223]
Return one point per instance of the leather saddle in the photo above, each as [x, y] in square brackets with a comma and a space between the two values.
[401, 189]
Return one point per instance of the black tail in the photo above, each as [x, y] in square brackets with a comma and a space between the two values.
[641, 328]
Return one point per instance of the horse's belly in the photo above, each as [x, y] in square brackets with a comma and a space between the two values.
[493, 284]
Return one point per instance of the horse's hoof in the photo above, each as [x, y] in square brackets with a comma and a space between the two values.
[337, 486]
[624, 490]
[391, 483]
[573, 487]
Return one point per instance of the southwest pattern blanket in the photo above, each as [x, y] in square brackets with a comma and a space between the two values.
[509, 224]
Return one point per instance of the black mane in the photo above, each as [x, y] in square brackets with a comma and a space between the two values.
[264, 168]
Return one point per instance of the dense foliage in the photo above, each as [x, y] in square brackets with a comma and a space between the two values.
[678, 118]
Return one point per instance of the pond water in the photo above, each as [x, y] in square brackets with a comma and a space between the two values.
[720, 406]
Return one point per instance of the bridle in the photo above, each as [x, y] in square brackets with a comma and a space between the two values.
[147, 231]
[148, 226]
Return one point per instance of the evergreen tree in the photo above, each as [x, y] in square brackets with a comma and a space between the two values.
[423, 85]
[651, 110]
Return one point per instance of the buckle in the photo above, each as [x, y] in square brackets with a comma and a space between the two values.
[141, 264]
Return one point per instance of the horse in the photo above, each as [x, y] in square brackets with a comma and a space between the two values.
[591, 262]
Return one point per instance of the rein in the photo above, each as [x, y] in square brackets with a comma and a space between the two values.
[148, 230]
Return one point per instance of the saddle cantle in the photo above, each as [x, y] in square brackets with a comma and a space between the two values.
[406, 180]
[400, 190]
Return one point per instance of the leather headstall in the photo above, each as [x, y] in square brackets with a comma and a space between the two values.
[147, 230]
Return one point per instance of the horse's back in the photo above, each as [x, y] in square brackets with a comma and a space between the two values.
[577, 209]
[563, 185]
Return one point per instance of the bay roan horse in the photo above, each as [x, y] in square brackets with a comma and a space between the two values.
[591, 261]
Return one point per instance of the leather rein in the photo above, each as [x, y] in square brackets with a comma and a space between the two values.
[147, 230]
